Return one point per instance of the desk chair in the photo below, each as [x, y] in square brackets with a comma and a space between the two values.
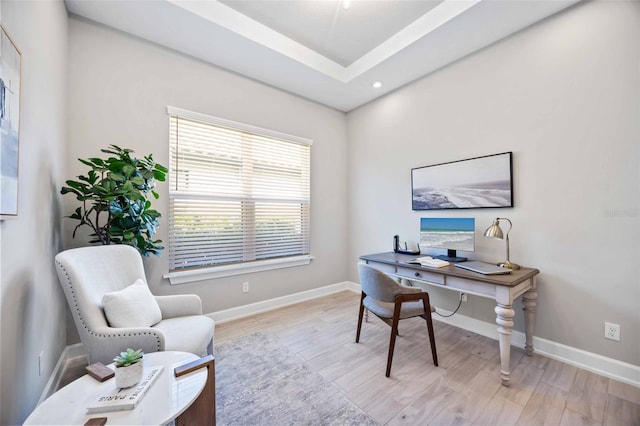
[391, 302]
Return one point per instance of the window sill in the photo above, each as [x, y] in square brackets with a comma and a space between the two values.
[183, 277]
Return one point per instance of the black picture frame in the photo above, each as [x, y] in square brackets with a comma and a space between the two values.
[473, 183]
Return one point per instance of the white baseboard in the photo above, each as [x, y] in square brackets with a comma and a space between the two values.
[71, 355]
[608, 367]
[280, 302]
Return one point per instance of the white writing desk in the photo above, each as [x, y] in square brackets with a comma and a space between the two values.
[504, 289]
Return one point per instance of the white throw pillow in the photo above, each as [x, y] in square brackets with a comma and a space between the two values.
[133, 306]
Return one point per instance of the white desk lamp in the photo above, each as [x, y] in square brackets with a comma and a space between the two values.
[494, 231]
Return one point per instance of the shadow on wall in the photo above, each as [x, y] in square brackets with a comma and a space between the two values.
[53, 227]
[21, 314]
[32, 304]
[50, 225]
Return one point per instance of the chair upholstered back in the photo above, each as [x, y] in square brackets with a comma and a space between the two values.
[378, 285]
[87, 273]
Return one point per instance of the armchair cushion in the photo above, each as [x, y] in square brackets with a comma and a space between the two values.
[195, 340]
[133, 306]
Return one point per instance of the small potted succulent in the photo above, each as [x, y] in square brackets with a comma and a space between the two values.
[128, 368]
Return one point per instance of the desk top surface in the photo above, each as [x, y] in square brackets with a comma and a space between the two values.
[400, 260]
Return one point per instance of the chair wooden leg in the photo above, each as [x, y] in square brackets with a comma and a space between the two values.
[394, 333]
[360, 317]
[432, 339]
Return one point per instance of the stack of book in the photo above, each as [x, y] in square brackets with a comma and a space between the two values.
[115, 399]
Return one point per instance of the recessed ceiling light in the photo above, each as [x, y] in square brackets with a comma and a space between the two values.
[377, 85]
[346, 4]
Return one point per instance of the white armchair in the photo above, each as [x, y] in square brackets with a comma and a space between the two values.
[87, 274]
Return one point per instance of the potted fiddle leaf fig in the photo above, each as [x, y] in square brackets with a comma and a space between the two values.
[128, 368]
[114, 195]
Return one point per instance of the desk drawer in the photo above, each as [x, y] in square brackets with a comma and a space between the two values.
[422, 275]
[387, 269]
[472, 287]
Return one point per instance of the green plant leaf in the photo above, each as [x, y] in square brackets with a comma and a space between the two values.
[93, 177]
[77, 185]
[109, 186]
[161, 168]
[115, 165]
[137, 180]
[159, 176]
[77, 214]
[128, 170]
[117, 177]
[86, 163]
[97, 161]
[66, 190]
[128, 357]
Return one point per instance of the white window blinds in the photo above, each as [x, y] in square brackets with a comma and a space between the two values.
[237, 193]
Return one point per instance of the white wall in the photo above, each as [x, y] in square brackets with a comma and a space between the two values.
[120, 88]
[564, 96]
[32, 306]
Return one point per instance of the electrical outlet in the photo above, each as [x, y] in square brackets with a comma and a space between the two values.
[612, 331]
[463, 297]
[245, 287]
[40, 363]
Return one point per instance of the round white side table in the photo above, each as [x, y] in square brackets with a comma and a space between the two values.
[166, 399]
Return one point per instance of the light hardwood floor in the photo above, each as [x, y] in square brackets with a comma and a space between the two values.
[464, 389]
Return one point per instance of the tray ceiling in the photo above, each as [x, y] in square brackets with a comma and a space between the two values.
[319, 49]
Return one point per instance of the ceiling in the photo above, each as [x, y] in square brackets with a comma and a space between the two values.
[319, 49]
[326, 27]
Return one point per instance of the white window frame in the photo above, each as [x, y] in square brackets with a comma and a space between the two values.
[212, 272]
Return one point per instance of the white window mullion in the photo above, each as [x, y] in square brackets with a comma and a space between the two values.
[248, 207]
[249, 230]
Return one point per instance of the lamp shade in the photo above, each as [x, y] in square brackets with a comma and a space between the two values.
[494, 231]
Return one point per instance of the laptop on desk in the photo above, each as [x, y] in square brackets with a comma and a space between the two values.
[482, 268]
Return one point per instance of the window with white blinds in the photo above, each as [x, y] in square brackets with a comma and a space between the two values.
[238, 194]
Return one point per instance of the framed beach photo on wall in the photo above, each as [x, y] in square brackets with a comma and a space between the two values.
[480, 182]
[10, 68]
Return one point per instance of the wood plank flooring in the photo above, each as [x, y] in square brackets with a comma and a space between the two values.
[464, 390]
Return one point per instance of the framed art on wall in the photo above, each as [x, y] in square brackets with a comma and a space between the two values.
[10, 68]
[480, 182]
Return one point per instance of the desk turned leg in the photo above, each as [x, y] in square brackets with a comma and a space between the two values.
[529, 300]
[504, 320]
